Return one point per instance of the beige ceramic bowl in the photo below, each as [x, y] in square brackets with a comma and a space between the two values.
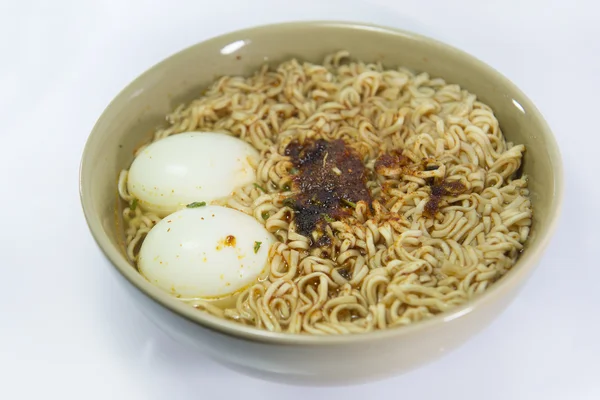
[141, 106]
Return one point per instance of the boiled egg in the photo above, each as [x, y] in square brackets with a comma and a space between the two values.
[190, 167]
[209, 252]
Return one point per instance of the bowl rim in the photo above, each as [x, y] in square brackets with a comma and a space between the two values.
[526, 263]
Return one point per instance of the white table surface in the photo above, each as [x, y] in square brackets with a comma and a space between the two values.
[67, 330]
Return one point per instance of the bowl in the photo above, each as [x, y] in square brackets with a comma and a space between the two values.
[130, 118]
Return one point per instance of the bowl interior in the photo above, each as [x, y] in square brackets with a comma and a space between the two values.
[134, 114]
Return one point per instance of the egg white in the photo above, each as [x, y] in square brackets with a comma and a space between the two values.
[190, 254]
[190, 167]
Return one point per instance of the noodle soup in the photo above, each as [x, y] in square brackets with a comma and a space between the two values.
[330, 198]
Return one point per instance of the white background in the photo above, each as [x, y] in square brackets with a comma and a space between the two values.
[68, 331]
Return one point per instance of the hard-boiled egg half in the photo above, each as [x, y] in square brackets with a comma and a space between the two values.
[188, 167]
[209, 252]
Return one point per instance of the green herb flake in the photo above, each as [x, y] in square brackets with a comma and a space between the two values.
[289, 202]
[134, 204]
[265, 215]
[349, 203]
[196, 204]
[257, 246]
[293, 171]
[316, 201]
[328, 218]
[256, 185]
